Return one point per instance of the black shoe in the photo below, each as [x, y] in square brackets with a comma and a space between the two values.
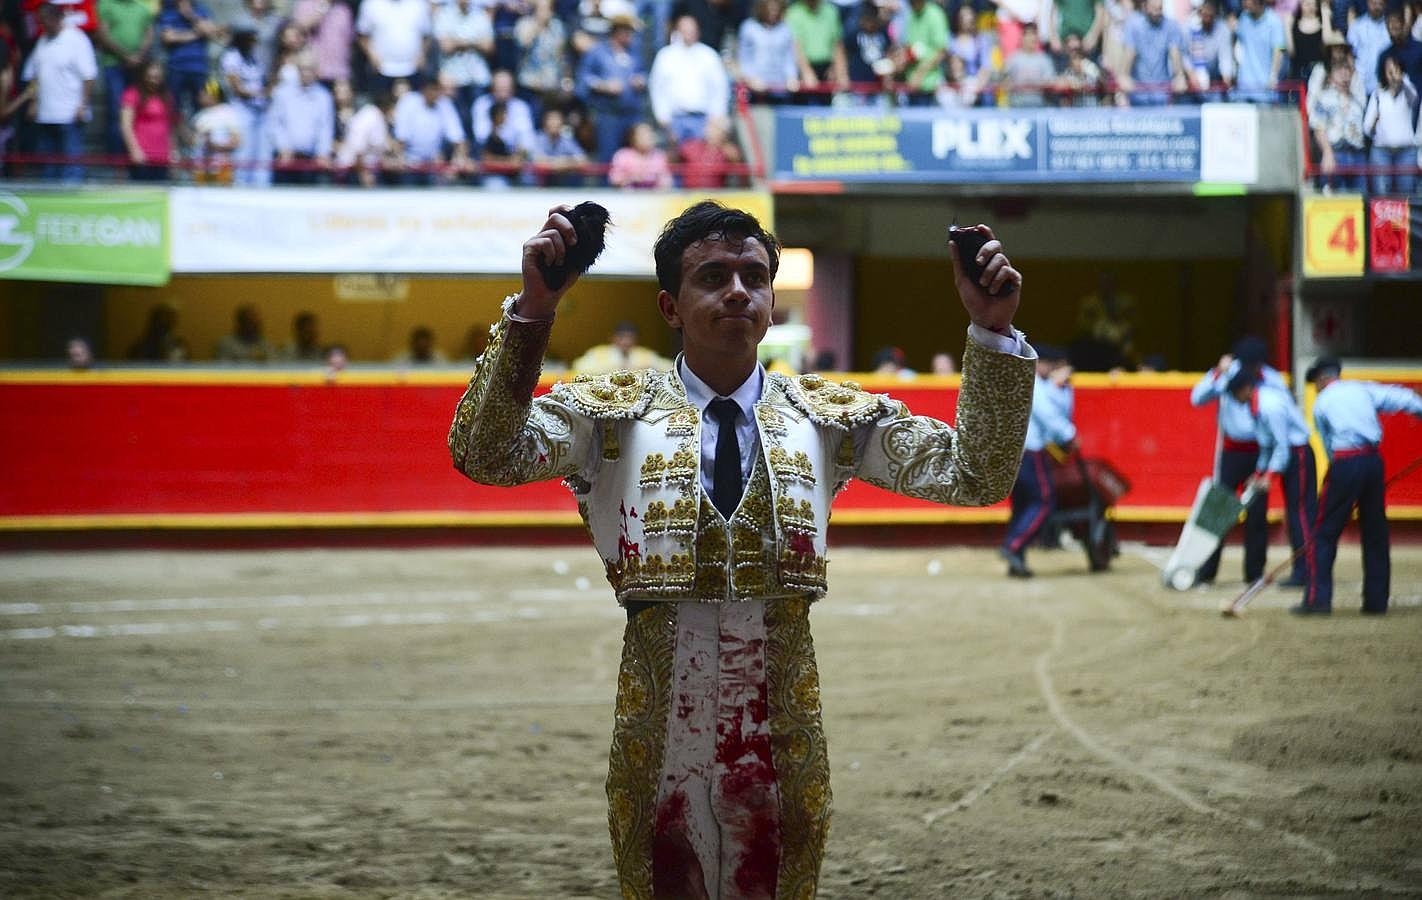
[1016, 565]
[1292, 582]
[1374, 611]
[1304, 609]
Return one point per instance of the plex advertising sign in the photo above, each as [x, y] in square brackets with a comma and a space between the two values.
[1349, 235]
[1216, 142]
[97, 237]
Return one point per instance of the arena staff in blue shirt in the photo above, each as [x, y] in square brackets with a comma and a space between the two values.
[1239, 449]
[1346, 413]
[1033, 497]
[1284, 453]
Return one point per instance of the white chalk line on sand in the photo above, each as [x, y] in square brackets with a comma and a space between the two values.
[290, 601]
[273, 623]
[313, 705]
[977, 792]
[1159, 782]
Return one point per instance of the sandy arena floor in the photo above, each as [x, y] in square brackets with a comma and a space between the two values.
[434, 723]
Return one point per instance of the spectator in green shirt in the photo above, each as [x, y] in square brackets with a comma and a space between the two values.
[818, 43]
[1084, 18]
[123, 39]
[925, 47]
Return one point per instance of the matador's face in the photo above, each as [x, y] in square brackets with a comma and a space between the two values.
[725, 300]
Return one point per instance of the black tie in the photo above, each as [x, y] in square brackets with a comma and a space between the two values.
[726, 470]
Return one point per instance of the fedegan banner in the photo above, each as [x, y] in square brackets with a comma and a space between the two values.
[97, 237]
[1214, 142]
[448, 230]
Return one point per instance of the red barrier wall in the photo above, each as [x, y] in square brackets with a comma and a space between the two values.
[133, 449]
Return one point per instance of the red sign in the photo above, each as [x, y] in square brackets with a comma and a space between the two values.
[1388, 235]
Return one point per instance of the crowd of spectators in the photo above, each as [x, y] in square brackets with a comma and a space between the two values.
[411, 92]
[639, 93]
[161, 342]
[1363, 101]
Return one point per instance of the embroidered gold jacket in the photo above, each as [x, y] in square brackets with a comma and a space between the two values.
[628, 446]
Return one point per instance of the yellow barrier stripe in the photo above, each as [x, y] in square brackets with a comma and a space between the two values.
[287, 378]
[244, 521]
[460, 377]
[536, 519]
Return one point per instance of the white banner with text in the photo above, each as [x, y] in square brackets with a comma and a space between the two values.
[436, 231]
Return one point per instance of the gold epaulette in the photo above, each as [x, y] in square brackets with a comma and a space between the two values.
[841, 404]
[617, 395]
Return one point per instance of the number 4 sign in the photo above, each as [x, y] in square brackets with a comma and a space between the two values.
[1333, 236]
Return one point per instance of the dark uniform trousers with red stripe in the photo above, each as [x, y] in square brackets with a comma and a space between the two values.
[1032, 500]
[1236, 465]
[1300, 484]
[1355, 478]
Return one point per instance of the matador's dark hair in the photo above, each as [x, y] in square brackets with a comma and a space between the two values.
[707, 219]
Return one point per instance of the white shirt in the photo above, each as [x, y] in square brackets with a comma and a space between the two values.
[397, 29]
[423, 129]
[464, 66]
[367, 135]
[519, 123]
[688, 80]
[303, 119]
[219, 124]
[1346, 412]
[249, 73]
[60, 65]
[1388, 119]
[699, 394]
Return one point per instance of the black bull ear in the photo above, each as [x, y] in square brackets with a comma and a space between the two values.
[590, 221]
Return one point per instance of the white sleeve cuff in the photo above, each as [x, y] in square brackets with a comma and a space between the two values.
[1015, 344]
[511, 304]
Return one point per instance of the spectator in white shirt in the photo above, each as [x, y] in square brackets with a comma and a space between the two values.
[518, 130]
[394, 35]
[429, 133]
[1389, 122]
[465, 34]
[367, 141]
[61, 72]
[216, 135]
[246, 83]
[303, 124]
[688, 83]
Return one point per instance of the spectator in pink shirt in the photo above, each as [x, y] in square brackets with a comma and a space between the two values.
[146, 123]
[707, 161]
[330, 26]
[639, 164]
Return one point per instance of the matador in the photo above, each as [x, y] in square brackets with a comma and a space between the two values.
[707, 493]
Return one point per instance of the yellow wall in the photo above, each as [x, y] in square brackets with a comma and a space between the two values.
[1184, 310]
[376, 330]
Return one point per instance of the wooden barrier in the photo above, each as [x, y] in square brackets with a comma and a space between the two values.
[206, 449]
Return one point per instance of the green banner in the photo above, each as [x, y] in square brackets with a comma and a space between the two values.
[103, 237]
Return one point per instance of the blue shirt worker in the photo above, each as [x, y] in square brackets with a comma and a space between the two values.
[1346, 414]
[1033, 497]
[1286, 455]
[1239, 450]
